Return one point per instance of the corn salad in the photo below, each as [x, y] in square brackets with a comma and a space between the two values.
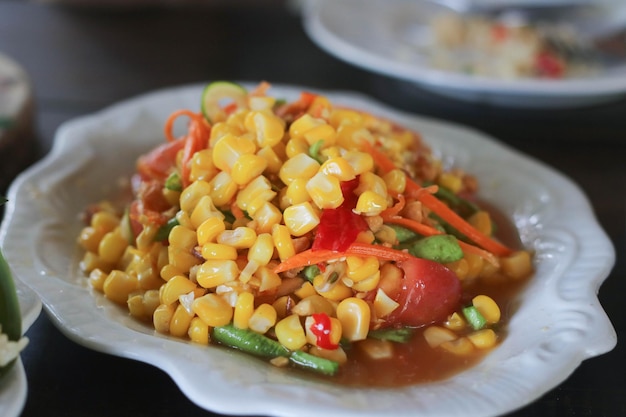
[316, 227]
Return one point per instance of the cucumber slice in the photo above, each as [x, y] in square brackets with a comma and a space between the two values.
[219, 94]
[10, 316]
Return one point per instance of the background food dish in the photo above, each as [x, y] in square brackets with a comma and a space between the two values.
[14, 386]
[559, 322]
[378, 36]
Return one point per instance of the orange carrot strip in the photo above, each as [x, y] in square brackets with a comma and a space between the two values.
[169, 123]
[443, 211]
[237, 212]
[417, 227]
[312, 257]
[487, 256]
[396, 209]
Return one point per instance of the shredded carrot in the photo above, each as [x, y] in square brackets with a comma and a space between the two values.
[197, 139]
[396, 209]
[261, 89]
[486, 255]
[237, 212]
[415, 190]
[417, 227]
[312, 257]
[169, 123]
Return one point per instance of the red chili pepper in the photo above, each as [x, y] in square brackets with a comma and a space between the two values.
[321, 328]
[549, 65]
[339, 227]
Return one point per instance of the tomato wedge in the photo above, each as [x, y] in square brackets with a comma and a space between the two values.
[427, 293]
[158, 163]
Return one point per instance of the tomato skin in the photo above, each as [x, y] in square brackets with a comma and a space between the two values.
[429, 292]
[158, 163]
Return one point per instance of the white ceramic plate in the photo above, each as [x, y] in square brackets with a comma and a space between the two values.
[14, 386]
[379, 35]
[559, 322]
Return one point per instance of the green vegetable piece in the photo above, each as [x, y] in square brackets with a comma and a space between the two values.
[399, 335]
[250, 342]
[403, 234]
[218, 94]
[438, 248]
[10, 315]
[127, 229]
[474, 318]
[173, 182]
[311, 271]
[314, 363]
[314, 151]
[164, 231]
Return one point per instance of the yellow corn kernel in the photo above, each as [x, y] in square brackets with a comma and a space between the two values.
[283, 306]
[243, 310]
[112, 246]
[354, 315]
[89, 238]
[361, 162]
[181, 319]
[368, 284]
[487, 307]
[481, 221]
[266, 217]
[92, 261]
[229, 148]
[240, 238]
[248, 167]
[370, 203]
[323, 132]
[305, 290]
[376, 349]
[460, 268]
[198, 331]
[303, 124]
[203, 210]
[298, 166]
[483, 339]
[474, 265]
[333, 337]
[337, 355]
[385, 234]
[336, 292]
[282, 241]
[253, 195]
[104, 221]
[213, 273]
[190, 196]
[175, 287]
[460, 347]
[183, 218]
[395, 180]
[269, 279]
[339, 117]
[202, 167]
[168, 271]
[383, 304]
[181, 258]
[258, 103]
[272, 160]
[218, 251]
[223, 188]
[518, 265]
[296, 146]
[296, 193]
[119, 285]
[338, 167]
[268, 128]
[451, 181]
[209, 230]
[162, 317]
[290, 333]
[455, 322]
[313, 304]
[135, 307]
[372, 182]
[183, 237]
[436, 335]
[262, 250]
[320, 107]
[97, 278]
[220, 129]
[360, 268]
[301, 218]
[325, 191]
[263, 318]
[213, 310]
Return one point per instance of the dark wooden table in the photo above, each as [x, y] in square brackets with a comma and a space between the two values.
[81, 60]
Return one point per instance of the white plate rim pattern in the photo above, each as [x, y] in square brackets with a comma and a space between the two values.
[561, 318]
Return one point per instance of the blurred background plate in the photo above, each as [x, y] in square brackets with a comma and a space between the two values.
[379, 35]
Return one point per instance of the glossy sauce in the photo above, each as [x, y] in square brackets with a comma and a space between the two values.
[416, 362]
